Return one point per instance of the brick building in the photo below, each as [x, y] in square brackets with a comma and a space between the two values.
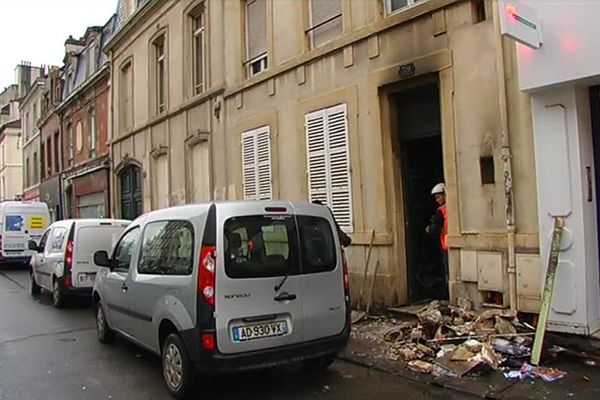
[84, 123]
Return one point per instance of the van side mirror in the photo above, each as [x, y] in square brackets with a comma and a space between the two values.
[101, 259]
[32, 245]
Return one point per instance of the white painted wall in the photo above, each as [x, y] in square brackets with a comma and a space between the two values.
[570, 32]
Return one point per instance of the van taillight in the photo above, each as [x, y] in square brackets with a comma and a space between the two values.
[206, 274]
[346, 276]
[68, 263]
[347, 289]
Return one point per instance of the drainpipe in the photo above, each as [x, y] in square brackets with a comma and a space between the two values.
[507, 163]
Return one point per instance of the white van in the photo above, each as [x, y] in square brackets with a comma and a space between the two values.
[20, 222]
[63, 263]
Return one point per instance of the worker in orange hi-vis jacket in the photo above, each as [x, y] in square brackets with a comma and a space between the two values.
[439, 223]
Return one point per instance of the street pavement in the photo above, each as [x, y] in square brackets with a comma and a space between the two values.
[46, 353]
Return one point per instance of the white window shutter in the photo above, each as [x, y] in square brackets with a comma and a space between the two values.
[256, 164]
[328, 157]
[263, 164]
[249, 165]
[339, 166]
[316, 156]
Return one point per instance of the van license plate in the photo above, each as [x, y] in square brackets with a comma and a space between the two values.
[86, 277]
[249, 332]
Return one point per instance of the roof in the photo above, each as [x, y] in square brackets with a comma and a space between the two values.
[90, 60]
[12, 124]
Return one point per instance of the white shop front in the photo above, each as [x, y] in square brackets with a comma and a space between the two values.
[563, 78]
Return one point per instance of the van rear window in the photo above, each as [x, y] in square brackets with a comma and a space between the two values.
[317, 245]
[90, 239]
[260, 246]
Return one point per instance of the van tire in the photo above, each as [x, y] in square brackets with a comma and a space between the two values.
[34, 288]
[319, 363]
[58, 294]
[177, 369]
[105, 334]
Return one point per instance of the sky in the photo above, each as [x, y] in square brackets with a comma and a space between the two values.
[36, 30]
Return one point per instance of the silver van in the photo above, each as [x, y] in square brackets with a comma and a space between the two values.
[63, 261]
[224, 287]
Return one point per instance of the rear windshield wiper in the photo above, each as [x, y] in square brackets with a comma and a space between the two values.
[280, 284]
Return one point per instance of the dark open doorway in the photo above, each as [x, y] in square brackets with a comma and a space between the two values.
[420, 141]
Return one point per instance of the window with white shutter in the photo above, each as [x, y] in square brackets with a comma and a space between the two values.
[328, 159]
[256, 164]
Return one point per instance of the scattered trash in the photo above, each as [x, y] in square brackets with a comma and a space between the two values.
[325, 388]
[420, 366]
[506, 347]
[530, 371]
[449, 341]
[461, 354]
[439, 371]
[474, 346]
[445, 349]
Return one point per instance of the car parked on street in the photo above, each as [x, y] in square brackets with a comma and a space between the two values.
[224, 287]
[63, 261]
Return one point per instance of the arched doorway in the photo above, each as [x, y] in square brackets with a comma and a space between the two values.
[131, 192]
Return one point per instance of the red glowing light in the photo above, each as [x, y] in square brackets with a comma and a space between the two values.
[570, 44]
[511, 10]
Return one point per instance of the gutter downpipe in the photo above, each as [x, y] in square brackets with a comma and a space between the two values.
[507, 163]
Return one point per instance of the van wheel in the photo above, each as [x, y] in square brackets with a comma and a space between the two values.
[318, 363]
[178, 371]
[58, 294]
[34, 288]
[105, 334]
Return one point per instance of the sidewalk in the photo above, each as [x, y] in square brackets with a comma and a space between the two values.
[367, 347]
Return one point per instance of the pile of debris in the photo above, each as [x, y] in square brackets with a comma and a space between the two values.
[456, 341]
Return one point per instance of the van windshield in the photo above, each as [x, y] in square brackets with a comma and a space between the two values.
[268, 246]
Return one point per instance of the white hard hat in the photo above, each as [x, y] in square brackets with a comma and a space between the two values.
[439, 188]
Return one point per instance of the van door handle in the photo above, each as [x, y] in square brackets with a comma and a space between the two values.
[285, 296]
[123, 287]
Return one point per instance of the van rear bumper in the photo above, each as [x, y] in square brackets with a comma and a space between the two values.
[218, 363]
[7, 259]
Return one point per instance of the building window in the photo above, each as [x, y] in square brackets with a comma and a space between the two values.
[126, 97]
[256, 36]
[198, 27]
[391, 6]
[57, 162]
[325, 21]
[328, 160]
[199, 172]
[160, 73]
[130, 179]
[25, 127]
[92, 132]
[70, 145]
[256, 164]
[27, 173]
[35, 169]
[161, 182]
[42, 161]
[48, 157]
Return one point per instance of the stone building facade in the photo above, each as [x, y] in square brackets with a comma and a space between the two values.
[363, 104]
